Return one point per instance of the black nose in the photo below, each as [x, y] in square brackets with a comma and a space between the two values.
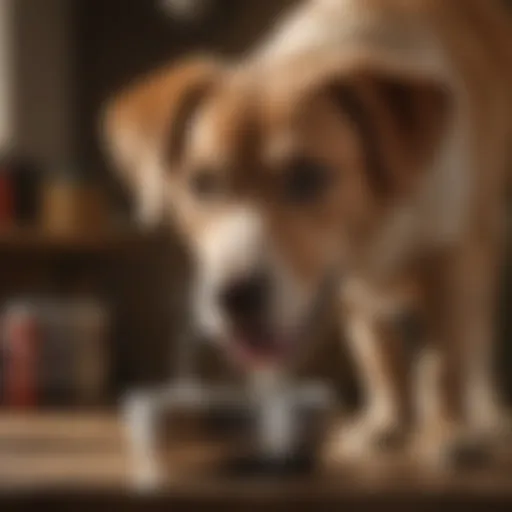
[246, 299]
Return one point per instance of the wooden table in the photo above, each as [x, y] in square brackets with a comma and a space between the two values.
[61, 450]
[81, 459]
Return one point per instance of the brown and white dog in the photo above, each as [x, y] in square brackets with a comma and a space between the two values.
[366, 139]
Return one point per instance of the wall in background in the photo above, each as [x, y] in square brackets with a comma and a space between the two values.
[44, 110]
[6, 78]
[37, 55]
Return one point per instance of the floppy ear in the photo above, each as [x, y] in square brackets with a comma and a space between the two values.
[400, 120]
[144, 129]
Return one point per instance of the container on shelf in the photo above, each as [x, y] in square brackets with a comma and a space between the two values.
[21, 343]
[91, 327]
[7, 206]
[72, 203]
[19, 190]
[56, 366]
[27, 177]
[54, 353]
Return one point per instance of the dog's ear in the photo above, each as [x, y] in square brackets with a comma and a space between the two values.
[144, 129]
[400, 119]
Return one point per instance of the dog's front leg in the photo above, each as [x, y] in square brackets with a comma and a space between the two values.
[457, 398]
[484, 403]
[380, 359]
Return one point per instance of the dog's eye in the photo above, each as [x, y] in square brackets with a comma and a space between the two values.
[206, 184]
[306, 180]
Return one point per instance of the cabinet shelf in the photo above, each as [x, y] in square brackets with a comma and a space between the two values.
[39, 240]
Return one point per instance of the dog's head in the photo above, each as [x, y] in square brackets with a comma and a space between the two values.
[275, 179]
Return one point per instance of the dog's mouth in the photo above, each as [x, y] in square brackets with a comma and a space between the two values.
[261, 347]
[263, 340]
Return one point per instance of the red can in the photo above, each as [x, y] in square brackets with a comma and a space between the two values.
[21, 344]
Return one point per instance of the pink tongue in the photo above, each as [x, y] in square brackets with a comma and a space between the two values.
[259, 351]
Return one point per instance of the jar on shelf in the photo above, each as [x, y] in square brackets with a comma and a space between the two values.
[73, 203]
[21, 343]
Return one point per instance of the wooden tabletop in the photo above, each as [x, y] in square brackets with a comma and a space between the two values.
[84, 456]
[60, 450]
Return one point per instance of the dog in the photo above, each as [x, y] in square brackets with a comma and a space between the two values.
[363, 143]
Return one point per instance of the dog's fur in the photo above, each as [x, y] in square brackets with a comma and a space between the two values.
[409, 104]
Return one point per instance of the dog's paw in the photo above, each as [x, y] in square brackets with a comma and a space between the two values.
[495, 432]
[452, 448]
[495, 425]
[365, 438]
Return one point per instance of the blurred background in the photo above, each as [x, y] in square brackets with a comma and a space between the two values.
[66, 232]
[91, 306]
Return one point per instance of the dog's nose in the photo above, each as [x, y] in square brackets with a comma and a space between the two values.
[246, 298]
